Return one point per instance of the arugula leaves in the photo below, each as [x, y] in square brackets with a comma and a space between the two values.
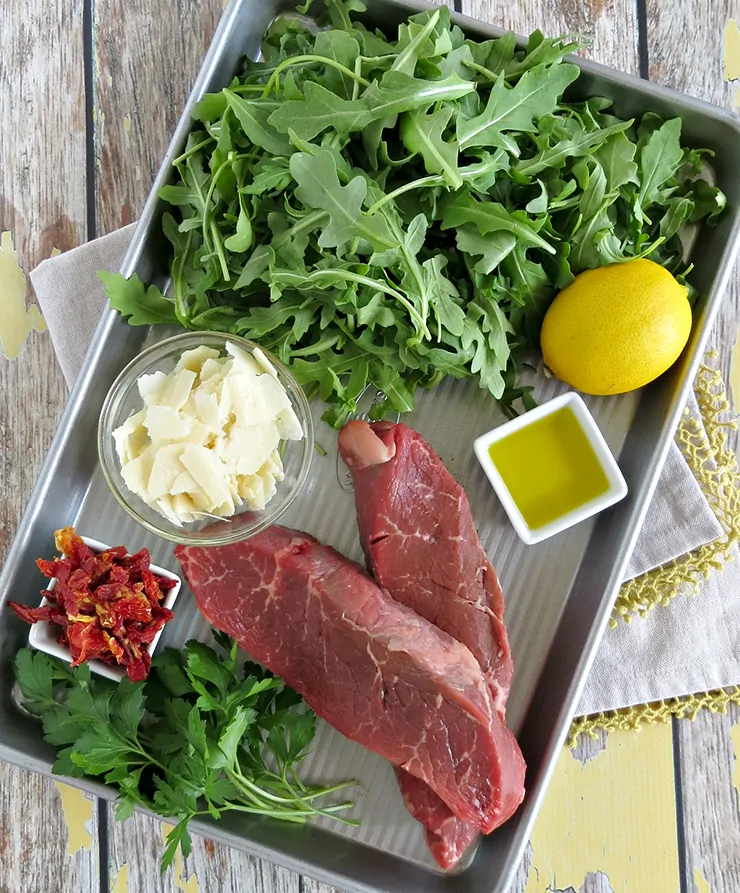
[386, 212]
[534, 95]
[130, 297]
[202, 735]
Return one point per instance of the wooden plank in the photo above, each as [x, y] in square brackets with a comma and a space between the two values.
[140, 89]
[714, 53]
[608, 27]
[709, 749]
[136, 847]
[609, 823]
[709, 812]
[53, 847]
[42, 202]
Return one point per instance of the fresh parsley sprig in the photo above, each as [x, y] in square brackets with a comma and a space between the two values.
[203, 735]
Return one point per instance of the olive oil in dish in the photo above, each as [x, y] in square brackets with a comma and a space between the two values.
[549, 467]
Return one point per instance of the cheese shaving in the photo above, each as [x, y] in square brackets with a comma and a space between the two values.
[206, 443]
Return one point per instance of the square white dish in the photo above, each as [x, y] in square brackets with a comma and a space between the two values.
[617, 486]
[43, 635]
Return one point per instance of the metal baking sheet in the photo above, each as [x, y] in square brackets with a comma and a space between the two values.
[558, 594]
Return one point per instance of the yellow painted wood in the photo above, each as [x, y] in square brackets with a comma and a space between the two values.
[735, 375]
[78, 814]
[615, 814]
[732, 51]
[735, 736]
[119, 884]
[16, 321]
[700, 882]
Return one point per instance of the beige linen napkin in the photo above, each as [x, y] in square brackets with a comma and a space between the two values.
[692, 645]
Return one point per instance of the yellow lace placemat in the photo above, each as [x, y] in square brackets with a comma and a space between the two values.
[714, 463]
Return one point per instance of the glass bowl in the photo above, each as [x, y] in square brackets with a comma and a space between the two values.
[123, 400]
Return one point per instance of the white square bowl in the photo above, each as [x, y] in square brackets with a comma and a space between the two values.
[43, 635]
[616, 491]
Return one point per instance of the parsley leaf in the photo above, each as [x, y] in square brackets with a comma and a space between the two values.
[191, 740]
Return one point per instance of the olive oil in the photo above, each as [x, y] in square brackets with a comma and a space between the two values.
[549, 467]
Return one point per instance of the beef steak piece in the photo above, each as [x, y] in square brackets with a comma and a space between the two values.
[420, 543]
[371, 667]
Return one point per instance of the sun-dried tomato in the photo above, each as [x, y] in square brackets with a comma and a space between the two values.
[108, 605]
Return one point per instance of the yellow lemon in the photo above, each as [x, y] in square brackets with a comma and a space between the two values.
[616, 328]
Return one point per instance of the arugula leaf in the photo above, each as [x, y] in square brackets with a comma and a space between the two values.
[594, 194]
[535, 94]
[492, 248]
[414, 42]
[319, 110]
[423, 133]
[260, 260]
[342, 47]
[709, 202]
[242, 239]
[490, 217]
[659, 160]
[484, 361]
[142, 306]
[578, 146]
[398, 92]
[444, 296]
[496, 54]
[255, 123]
[540, 51]
[679, 211]
[269, 174]
[616, 157]
[319, 187]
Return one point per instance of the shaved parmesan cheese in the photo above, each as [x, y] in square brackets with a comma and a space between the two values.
[184, 483]
[265, 363]
[164, 423]
[136, 473]
[151, 387]
[288, 424]
[166, 468]
[177, 390]
[194, 359]
[214, 369]
[243, 361]
[123, 437]
[206, 444]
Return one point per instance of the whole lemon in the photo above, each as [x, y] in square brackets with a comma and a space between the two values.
[616, 328]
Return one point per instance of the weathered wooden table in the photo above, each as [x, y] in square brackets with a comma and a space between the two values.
[89, 94]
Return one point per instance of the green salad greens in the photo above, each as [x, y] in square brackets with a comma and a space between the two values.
[388, 212]
[201, 736]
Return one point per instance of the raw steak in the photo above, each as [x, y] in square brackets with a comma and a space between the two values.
[447, 836]
[420, 542]
[369, 666]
